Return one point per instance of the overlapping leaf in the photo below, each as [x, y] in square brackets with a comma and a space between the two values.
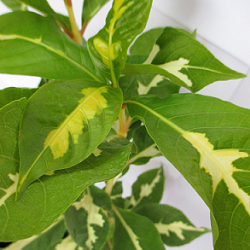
[184, 61]
[13, 4]
[62, 125]
[85, 220]
[135, 232]
[124, 22]
[49, 196]
[90, 8]
[10, 94]
[48, 239]
[31, 44]
[171, 223]
[207, 140]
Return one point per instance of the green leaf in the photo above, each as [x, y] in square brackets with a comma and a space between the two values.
[10, 94]
[13, 4]
[125, 21]
[90, 8]
[171, 223]
[85, 220]
[148, 188]
[184, 61]
[25, 34]
[116, 194]
[49, 196]
[130, 232]
[145, 147]
[140, 50]
[207, 140]
[62, 125]
[48, 239]
[68, 243]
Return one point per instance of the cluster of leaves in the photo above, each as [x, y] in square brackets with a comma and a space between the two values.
[61, 138]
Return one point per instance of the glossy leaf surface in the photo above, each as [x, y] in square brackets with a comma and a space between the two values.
[184, 61]
[49, 196]
[62, 125]
[124, 22]
[85, 220]
[11, 94]
[207, 140]
[171, 223]
[59, 57]
[130, 232]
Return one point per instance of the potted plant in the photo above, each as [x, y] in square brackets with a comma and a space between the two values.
[102, 105]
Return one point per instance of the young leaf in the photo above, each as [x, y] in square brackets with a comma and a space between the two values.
[13, 4]
[62, 125]
[148, 188]
[184, 61]
[10, 94]
[135, 232]
[171, 223]
[49, 196]
[86, 222]
[48, 239]
[59, 57]
[145, 147]
[124, 22]
[207, 140]
[90, 8]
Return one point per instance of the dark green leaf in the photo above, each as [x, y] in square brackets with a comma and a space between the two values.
[10, 94]
[207, 140]
[86, 222]
[148, 188]
[24, 35]
[124, 22]
[116, 194]
[135, 232]
[171, 223]
[47, 240]
[62, 125]
[90, 8]
[48, 197]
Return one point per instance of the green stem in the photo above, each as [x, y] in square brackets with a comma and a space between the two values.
[76, 33]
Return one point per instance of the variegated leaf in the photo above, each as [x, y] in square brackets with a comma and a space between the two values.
[68, 243]
[135, 232]
[48, 239]
[41, 35]
[184, 61]
[148, 188]
[125, 21]
[171, 223]
[207, 140]
[62, 125]
[49, 196]
[85, 220]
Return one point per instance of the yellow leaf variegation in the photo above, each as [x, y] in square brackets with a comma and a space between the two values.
[74, 129]
[207, 140]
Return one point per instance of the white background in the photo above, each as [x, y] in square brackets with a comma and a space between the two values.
[223, 26]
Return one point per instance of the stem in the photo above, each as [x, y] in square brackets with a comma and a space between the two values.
[124, 124]
[76, 33]
[109, 186]
[66, 30]
[84, 26]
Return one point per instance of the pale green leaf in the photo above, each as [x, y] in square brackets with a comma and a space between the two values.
[207, 140]
[49, 196]
[171, 223]
[135, 232]
[25, 34]
[62, 125]
[85, 220]
[125, 21]
[13, 4]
